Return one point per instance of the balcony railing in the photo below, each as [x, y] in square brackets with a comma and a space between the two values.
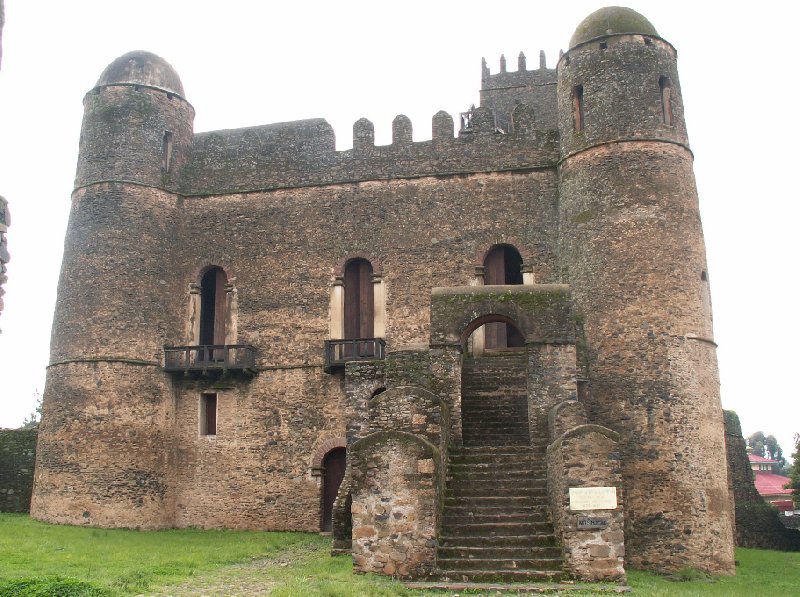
[338, 352]
[217, 359]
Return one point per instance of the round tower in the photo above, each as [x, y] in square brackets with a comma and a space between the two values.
[103, 454]
[631, 246]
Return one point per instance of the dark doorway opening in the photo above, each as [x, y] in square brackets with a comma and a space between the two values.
[334, 465]
[212, 310]
[359, 306]
[502, 265]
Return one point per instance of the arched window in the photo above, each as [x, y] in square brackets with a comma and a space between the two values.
[666, 100]
[502, 265]
[577, 107]
[359, 302]
[213, 311]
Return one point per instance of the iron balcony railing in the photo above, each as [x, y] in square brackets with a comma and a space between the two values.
[338, 352]
[210, 359]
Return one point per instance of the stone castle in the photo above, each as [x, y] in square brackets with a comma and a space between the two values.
[485, 355]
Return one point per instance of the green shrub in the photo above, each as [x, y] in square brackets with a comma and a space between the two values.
[54, 586]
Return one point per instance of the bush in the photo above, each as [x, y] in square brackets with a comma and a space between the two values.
[51, 587]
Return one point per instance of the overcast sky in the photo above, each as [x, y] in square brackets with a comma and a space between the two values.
[248, 63]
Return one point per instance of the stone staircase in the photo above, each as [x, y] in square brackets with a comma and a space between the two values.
[496, 523]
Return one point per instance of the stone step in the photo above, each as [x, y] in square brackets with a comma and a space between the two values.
[494, 501]
[499, 552]
[520, 455]
[498, 529]
[453, 520]
[479, 437]
[467, 491]
[536, 564]
[490, 473]
[503, 575]
[498, 442]
[512, 420]
[468, 509]
[458, 482]
[526, 541]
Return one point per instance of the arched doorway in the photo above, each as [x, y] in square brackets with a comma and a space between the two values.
[494, 391]
[359, 312]
[502, 265]
[213, 311]
[333, 464]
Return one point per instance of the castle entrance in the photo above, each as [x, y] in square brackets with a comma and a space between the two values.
[502, 266]
[333, 465]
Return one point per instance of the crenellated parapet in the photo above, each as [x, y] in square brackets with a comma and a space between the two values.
[503, 91]
[303, 153]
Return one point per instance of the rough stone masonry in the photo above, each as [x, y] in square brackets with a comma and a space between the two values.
[257, 331]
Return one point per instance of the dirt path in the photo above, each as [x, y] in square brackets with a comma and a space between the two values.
[258, 577]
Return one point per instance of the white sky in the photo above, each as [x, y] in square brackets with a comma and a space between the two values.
[247, 63]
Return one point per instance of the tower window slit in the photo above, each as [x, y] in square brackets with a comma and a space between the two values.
[577, 107]
[166, 157]
[666, 100]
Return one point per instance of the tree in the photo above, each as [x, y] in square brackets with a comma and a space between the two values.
[768, 447]
[32, 420]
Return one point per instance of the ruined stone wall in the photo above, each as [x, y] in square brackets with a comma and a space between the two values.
[757, 523]
[17, 455]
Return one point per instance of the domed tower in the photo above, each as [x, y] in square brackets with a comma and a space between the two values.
[631, 246]
[103, 455]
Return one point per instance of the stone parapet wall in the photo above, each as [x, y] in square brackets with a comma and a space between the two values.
[587, 456]
[303, 153]
[17, 456]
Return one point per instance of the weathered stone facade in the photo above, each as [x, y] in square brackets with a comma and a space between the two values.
[17, 454]
[204, 367]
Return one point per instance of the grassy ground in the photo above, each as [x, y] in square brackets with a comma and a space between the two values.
[39, 559]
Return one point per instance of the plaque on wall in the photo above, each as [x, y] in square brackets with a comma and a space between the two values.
[587, 523]
[592, 498]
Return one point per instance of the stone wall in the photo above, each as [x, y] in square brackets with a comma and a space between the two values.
[632, 251]
[302, 153]
[585, 456]
[757, 523]
[17, 455]
[395, 478]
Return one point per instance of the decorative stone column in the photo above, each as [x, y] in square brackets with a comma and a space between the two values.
[379, 306]
[337, 309]
[479, 335]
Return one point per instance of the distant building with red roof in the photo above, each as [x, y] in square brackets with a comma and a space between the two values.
[770, 486]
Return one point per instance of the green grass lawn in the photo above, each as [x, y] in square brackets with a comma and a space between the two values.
[41, 559]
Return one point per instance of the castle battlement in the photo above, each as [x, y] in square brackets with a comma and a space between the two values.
[303, 153]
[522, 76]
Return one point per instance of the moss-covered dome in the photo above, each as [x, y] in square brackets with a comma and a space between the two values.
[142, 68]
[611, 20]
